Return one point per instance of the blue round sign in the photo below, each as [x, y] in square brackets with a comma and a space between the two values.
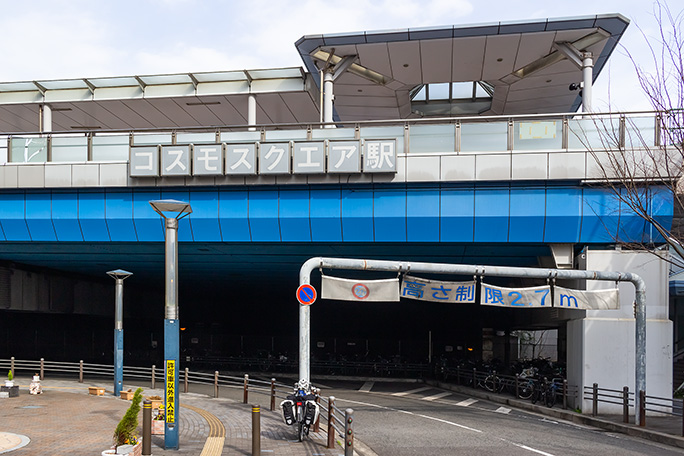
[306, 294]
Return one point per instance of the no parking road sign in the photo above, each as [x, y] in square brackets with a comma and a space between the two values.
[306, 294]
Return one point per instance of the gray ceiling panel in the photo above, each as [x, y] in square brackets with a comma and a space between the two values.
[499, 58]
[405, 60]
[376, 57]
[435, 57]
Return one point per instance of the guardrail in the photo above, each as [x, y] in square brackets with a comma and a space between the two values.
[272, 388]
[519, 386]
[624, 397]
[525, 132]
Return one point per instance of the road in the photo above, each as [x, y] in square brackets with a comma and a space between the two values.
[414, 419]
[407, 419]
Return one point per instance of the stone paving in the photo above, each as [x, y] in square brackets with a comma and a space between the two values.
[65, 420]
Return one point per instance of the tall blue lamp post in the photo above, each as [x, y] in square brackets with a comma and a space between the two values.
[171, 211]
[119, 275]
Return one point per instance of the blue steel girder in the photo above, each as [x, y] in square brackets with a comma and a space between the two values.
[430, 213]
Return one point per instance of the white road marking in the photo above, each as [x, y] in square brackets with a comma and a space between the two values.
[366, 387]
[448, 422]
[410, 413]
[417, 390]
[466, 403]
[503, 410]
[437, 396]
[525, 447]
[544, 420]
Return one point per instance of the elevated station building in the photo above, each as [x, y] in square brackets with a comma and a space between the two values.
[459, 144]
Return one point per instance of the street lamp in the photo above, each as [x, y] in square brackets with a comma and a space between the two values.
[171, 211]
[119, 275]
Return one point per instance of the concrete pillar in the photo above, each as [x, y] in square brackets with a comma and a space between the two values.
[45, 120]
[601, 343]
[587, 76]
[251, 111]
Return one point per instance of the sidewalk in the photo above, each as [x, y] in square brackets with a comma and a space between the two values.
[66, 420]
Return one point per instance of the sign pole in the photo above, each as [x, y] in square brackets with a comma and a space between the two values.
[171, 336]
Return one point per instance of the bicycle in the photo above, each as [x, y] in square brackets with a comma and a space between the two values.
[526, 382]
[300, 409]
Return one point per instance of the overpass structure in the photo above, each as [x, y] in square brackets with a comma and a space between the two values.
[457, 144]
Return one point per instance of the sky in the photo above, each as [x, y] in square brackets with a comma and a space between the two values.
[60, 39]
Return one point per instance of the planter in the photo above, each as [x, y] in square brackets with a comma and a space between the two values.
[127, 395]
[130, 450]
[12, 391]
[9, 383]
[96, 390]
[155, 402]
[157, 427]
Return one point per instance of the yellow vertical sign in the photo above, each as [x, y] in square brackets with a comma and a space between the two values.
[170, 390]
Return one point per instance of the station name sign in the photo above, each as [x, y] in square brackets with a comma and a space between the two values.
[270, 158]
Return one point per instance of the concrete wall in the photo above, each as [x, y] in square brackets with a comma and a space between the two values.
[601, 344]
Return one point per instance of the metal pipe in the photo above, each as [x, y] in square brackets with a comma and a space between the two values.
[625, 404]
[154, 368]
[470, 270]
[251, 112]
[245, 391]
[147, 428]
[328, 98]
[256, 430]
[45, 118]
[348, 432]
[118, 338]
[331, 422]
[171, 255]
[587, 80]
[594, 399]
[80, 371]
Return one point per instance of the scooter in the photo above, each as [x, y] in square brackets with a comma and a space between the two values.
[300, 409]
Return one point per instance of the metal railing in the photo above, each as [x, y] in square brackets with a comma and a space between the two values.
[475, 134]
[654, 404]
[271, 388]
[514, 385]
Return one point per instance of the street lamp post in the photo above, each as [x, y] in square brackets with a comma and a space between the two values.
[171, 211]
[119, 275]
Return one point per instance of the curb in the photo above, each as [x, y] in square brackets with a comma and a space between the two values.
[567, 415]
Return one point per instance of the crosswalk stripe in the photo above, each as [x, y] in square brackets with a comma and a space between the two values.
[417, 390]
[466, 403]
[366, 387]
[437, 396]
[503, 410]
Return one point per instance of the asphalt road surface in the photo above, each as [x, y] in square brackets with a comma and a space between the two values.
[406, 419]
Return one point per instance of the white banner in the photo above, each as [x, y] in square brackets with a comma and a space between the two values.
[385, 290]
[437, 291]
[515, 297]
[579, 299]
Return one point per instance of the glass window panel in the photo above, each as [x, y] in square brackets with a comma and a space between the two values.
[110, 148]
[240, 136]
[538, 135]
[462, 90]
[69, 149]
[153, 140]
[420, 96]
[332, 133]
[640, 132]
[593, 133]
[196, 138]
[484, 137]
[285, 135]
[431, 138]
[385, 133]
[28, 150]
[439, 91]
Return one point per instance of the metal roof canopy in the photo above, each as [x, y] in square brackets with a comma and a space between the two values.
[519, 59]
[283, 95]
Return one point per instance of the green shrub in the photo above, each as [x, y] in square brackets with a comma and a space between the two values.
[125, 430]
[10, 377]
